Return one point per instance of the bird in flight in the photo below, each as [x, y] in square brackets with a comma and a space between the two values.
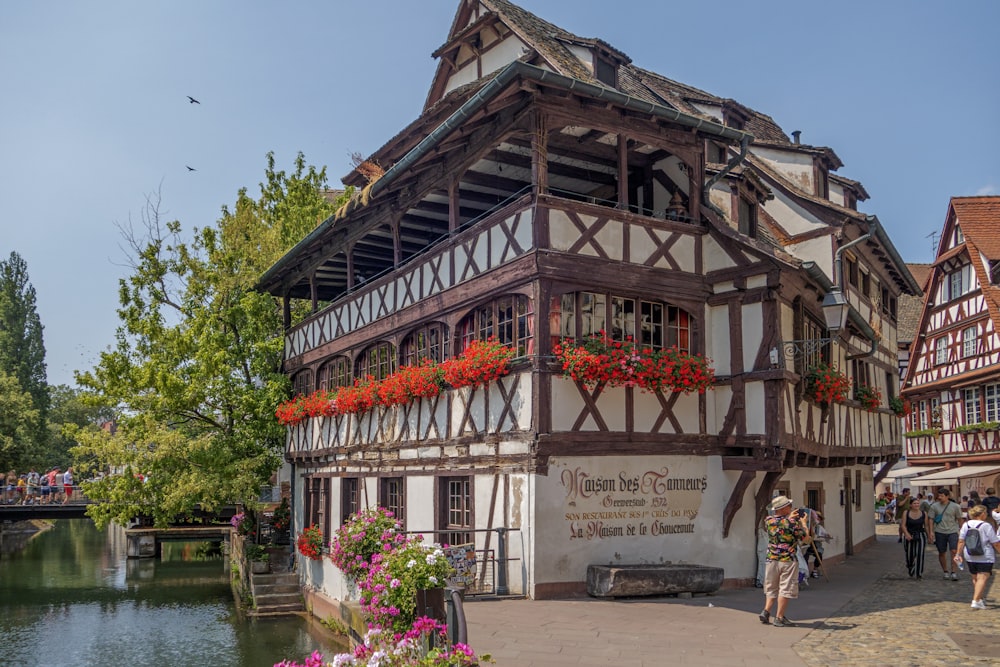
[193, 101]
[190, 168]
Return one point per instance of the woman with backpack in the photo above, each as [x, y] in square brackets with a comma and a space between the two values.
[977, 542]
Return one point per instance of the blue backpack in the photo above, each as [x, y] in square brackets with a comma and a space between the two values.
[974, 542]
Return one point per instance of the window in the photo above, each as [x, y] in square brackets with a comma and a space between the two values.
[866, 284]
[315, 495]
[941, 350]
[815, 498]
[605, 72]
[920, 417]
[507, 319]
[991, 394]
[456, 510]
[959, 282]
[423, 343]
[969, 336]
[815, 354]
[861, 374]
[935, 412]
[348, 498]
[959, 236]
[973, 410]
[851, 270]
[649, 323]
[379, 361]
[334, 373]
[890, 385]
[392, 496]
[747, 222]
[302, 382]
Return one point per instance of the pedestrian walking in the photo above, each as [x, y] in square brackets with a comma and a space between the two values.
[978, 551]
[945, 521]
[990, 501]
[902, 507]
[43, 485]
[68, 485]
[915, 538]
[781, 573]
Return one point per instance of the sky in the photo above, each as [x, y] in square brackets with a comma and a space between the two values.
[94, 113]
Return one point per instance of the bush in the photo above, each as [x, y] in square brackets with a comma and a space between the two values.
[363, 535]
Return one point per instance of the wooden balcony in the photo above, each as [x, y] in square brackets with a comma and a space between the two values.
[952, 446]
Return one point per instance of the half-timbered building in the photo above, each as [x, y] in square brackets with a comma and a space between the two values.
[552, 189]
[953, 379]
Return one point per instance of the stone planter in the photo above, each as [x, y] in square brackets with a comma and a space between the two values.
[260, 566]
[608, 581]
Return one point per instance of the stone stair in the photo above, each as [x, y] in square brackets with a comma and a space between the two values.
[276, 594]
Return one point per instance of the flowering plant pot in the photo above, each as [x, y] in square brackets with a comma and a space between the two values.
[598, 360]
[870, 397]
[362, 536]
[310, 543]
[900, 407]
[482, 362]
[826, 384]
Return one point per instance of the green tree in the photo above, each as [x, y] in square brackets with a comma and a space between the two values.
[18, 420]
[68, 412]
[22, 350]
[195, 374]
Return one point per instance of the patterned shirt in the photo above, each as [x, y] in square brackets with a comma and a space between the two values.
[782, 535]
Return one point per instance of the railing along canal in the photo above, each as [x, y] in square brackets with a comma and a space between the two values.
[491, 563]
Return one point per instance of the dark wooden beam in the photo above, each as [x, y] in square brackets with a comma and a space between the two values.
[735, 499]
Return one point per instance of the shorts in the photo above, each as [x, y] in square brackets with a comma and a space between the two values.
[781, 579]
[68, 488]
[979, 568]
[946, 542]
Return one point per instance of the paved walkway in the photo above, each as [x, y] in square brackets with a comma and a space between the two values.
[869, 612]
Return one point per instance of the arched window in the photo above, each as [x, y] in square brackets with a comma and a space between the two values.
[507, 319]
[649, 323]
[334, 373]
[427, 342]
[302, 382]
[378, 360]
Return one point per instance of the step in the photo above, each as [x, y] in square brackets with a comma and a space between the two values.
[271, 589]
[279, 608]
[276, 578]
[271, 600]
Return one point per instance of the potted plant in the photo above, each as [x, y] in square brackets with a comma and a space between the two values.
[310, 542]
[260, 559]
[899, 406]
[825, 384]
[870, 397]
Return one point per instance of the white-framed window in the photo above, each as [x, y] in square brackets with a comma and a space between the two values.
[991, 393]
[969, 335]
[935, 412]
[973, 410]
[941, 350]
[648, 323]
[921, 416]
[960, 281]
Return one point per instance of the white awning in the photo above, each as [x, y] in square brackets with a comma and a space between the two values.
[911, 471]
[954, 475]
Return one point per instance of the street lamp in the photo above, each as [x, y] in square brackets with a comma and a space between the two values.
[835, 308]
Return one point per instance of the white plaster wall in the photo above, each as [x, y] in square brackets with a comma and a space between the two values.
[467, 74]
[754, 409]
[709, 110]
[562, 556]
[723, 199]
[715, 258]
[836, 193]
[819, 250]
[796, 167]
[503, 54]
[753, 333]
[792, 217]
[583, 54]
[717, 328]
[420, 505]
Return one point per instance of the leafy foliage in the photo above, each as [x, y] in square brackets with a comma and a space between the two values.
[195, 374]
[22, 357]
[18, 417]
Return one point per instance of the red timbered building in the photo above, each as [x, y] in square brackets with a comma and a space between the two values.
[551, 189]
[953, 379]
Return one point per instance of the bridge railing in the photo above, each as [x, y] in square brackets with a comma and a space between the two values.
[37, 496]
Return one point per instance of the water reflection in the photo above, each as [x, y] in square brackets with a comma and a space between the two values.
[71, 597]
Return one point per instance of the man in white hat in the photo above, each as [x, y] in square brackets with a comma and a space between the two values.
[781, 574]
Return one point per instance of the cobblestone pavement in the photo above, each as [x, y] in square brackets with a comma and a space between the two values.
[868, 612]
[902, 621]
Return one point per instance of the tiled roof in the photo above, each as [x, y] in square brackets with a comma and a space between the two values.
[979, 218]
[909, 307]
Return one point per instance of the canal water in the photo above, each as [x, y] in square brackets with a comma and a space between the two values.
[71, 597]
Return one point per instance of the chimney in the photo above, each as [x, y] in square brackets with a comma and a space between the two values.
[795, 136]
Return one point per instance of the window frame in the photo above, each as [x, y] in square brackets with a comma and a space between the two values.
[302, 382]
[941, 350]
[392, 496]
[969, 342]
[384, 363]
[350, 497]
[509, 319]
[972, 406]
[450, 532]
[570, 313]
[418, 344]
[328, 379]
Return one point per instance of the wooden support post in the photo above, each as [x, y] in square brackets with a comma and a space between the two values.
[313, 292]
[286, 311]
[622, 172]
[454, 205]
[397, 249]
[349, 250]
[736, 500]
[540, 154]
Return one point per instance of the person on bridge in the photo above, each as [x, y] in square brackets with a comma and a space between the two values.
[781, 574]
[68, 485]
[43, 488]
[55, 479]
